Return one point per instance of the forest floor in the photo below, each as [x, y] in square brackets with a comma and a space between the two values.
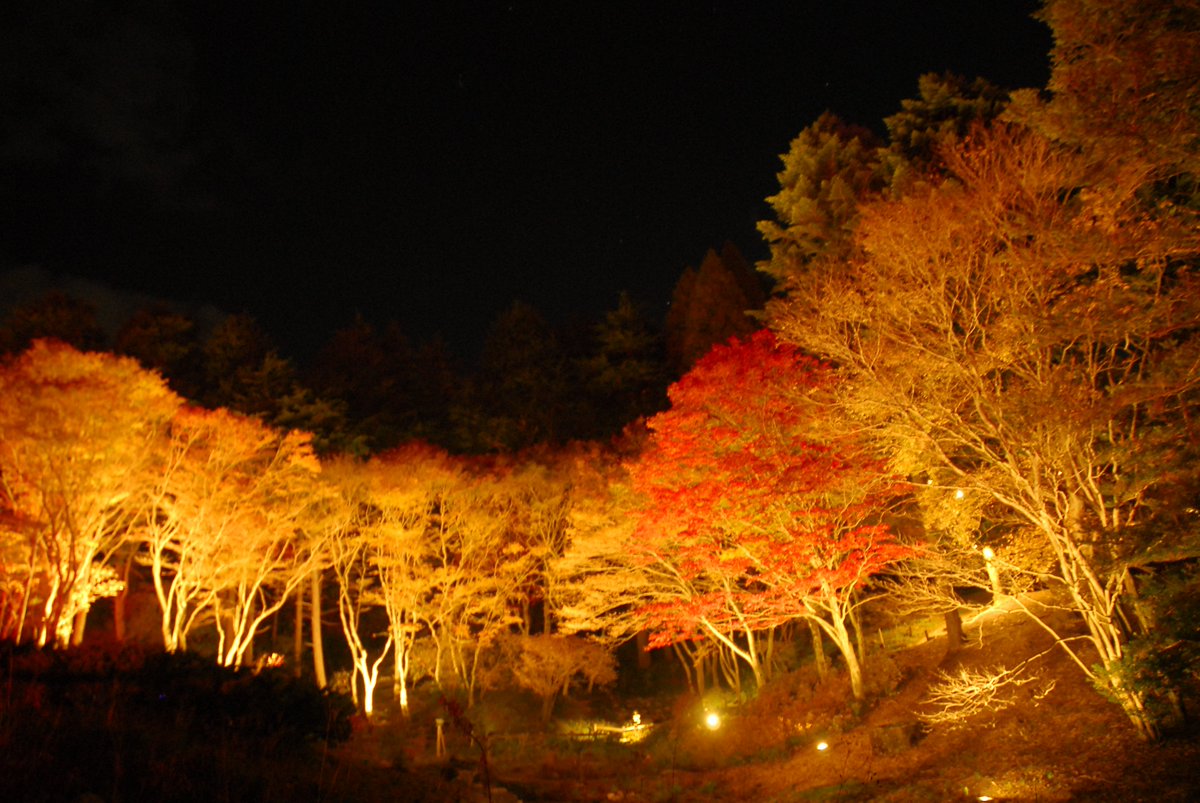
[1057, 740]
[180, 730]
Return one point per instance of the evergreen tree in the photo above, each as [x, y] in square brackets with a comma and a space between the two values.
[829, 168]
[393, 390]
[947, 106]
[519, 397]
[625, 375]
[244, 372]
[165, 341]
[711, 305]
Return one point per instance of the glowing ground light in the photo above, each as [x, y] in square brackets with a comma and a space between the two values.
[985, 797]
[712, 720]
[822, 746]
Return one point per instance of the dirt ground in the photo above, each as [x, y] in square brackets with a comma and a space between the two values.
[1058, 740]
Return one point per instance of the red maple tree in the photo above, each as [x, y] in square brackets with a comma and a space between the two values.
[757, 505]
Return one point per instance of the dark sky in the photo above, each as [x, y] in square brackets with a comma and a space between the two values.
[433, 161]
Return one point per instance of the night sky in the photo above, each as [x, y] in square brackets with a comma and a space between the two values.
[431, 162]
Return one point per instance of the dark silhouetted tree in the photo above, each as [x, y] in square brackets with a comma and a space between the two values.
[710, 305]
[625, 373]
[393, 390]
[519, 397]
[165, 341]
[244, 372]
[56, 316]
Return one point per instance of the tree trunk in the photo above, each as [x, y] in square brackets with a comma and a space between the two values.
[994, 579]
[26, 594]
[298, 631]
[856, 675]
[954, 629]
[819, 657]
[77, 627]
[1093, 600]
[842, 639]
[769, 656]
[687, 665]
[526, 618]
[119, 616]
[318, 646]
[1145, 722]
[119, 610]
[1139, 620]
[731, 668]
[399, 679]
[400, 665]
[860, 643]
[643, 650]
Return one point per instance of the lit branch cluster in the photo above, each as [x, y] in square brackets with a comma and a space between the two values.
[959, 696]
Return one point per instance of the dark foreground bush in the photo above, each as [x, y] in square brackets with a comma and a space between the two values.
[159, 727]
[268, 705]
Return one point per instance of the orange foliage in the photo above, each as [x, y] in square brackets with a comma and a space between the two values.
[77, 432]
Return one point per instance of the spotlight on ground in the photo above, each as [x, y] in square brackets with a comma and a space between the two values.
[712, 720]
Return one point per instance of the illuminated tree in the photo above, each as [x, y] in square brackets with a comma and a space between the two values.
[77, 432]
[480, 567]
[541, 486]
[186, 518]
[350, 549]
[226, 533]
[600, 583]
[55, 316]
[1025, 332]
[1123, 85]
[945, 110]
[833, 167]
[390, 509]
[958, 696]
[546, 664]
[959, 563]
[756, 506]
[272, 550]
